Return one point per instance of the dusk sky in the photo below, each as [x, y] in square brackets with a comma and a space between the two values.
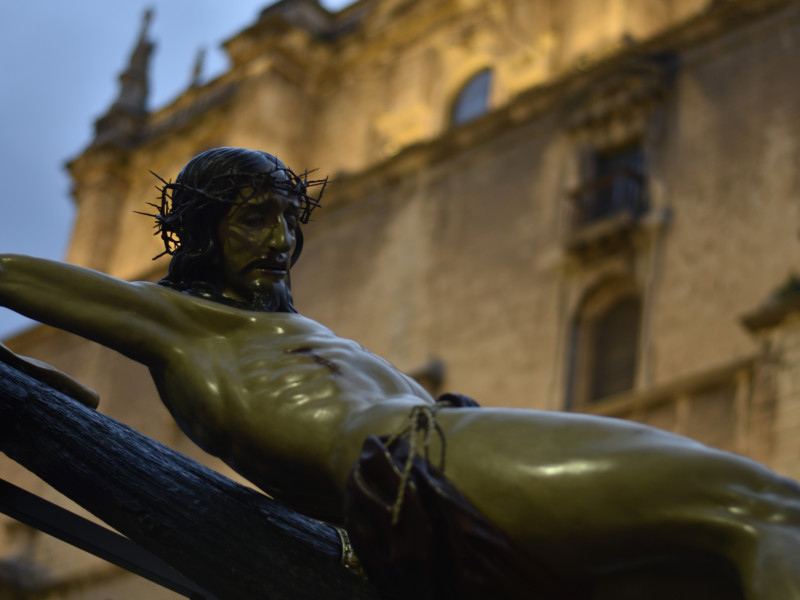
[60, 62]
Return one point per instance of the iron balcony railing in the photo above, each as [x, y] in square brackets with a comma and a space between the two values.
[616, 192]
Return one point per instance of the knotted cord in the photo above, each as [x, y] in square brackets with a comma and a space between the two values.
[421, 420]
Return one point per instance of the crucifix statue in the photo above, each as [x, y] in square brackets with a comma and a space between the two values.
[338, 433]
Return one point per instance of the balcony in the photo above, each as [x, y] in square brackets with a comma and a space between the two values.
[603, 211]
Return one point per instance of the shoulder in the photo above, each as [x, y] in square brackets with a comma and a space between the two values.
[223, 318]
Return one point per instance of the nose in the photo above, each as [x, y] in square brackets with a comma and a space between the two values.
[278, 236]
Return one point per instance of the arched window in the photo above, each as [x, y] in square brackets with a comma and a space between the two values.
[615, 341]
[473, 98]
[605, 345]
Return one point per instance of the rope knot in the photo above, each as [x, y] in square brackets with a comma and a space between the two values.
[421, 422]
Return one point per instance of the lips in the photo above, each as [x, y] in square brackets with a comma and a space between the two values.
[269, 265]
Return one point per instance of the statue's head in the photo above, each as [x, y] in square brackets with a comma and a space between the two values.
[231, 221]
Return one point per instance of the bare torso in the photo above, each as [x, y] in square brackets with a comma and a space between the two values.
[268, 393]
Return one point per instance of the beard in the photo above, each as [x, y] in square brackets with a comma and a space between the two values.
[201, 276]
[279, 299]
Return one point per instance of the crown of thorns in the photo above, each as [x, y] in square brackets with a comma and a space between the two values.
[233, 189]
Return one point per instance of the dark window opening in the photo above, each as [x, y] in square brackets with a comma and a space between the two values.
[617, 185]
[613, 347]
[473, 99]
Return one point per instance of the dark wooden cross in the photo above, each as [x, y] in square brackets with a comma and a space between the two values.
[185, 526]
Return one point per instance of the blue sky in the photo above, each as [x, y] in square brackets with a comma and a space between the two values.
[59, 63]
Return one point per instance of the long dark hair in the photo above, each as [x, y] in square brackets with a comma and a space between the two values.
[206, 188]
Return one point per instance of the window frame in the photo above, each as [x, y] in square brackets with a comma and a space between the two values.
[583, 346]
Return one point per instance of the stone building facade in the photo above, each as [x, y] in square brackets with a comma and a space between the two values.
[587, 205]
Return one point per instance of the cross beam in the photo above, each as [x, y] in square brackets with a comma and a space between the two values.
[93, 538]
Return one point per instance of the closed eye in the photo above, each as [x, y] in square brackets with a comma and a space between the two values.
[252, 220]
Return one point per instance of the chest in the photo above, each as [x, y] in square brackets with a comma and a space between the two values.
[272, 373]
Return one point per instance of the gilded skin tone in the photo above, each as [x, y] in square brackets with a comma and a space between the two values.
[288, 404]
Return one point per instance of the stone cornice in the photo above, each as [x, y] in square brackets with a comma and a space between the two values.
[772, 313]
[190, 106]
[547, 98]
[686, 385]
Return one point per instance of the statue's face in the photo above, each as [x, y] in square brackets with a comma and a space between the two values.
[257, 239]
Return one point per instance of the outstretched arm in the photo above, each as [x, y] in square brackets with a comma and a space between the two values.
[136, 319]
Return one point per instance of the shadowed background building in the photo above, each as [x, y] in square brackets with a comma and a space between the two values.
[586, 205]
